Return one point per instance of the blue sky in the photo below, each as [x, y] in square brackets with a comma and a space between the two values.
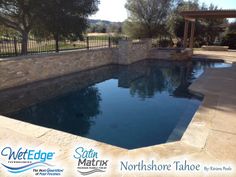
[114, 10]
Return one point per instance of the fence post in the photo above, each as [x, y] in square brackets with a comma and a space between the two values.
[87, 39]
[109, 42]
[15, 46]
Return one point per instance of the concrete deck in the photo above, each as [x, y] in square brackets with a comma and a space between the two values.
[210, 137]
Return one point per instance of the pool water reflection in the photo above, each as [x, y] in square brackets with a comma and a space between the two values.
[134, 106]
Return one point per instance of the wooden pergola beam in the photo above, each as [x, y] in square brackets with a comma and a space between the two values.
[209, 14]
[191, 16]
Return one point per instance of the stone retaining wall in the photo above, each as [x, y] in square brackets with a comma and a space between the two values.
[23, 70]
[14, 99]
[19, 71]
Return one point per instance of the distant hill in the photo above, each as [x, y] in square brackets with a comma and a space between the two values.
[104, 26]
[103, 22]
[94, 22]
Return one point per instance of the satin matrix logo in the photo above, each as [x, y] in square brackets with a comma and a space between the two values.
[89, 161]
[29, 160]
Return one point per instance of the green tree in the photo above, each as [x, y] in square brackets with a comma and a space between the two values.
[232, 28]
[230, 37]
[4, 31]
[101, 28]
[115, 28]
[97, 28]
[213, 27]
[64, 18]
[18, 15]
[176, 21]
[146, 17]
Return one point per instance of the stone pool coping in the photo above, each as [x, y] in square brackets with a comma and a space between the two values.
[210, 137]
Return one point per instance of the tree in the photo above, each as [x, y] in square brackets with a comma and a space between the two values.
[229, 40]
[18, 15]
[230, 37]
[213, 27]
[4, 31]
[146, 17]
[65, 18]
[232, 28]
[176, 21]
[97, 28]
[115, 28]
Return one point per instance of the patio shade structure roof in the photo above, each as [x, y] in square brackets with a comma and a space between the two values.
[191, 16]
[209, 14]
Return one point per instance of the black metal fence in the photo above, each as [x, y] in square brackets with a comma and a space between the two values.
[11, 46]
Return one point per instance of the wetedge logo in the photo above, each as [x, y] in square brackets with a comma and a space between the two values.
[89, 161]
[23, 159]
[26, 154]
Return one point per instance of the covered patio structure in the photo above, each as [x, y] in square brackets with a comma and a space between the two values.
[191, 16]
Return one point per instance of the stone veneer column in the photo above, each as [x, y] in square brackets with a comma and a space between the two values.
[125, 47]
[148, 43]
[130, 53]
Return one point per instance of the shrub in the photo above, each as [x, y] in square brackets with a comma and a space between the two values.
[229, 40]
[115, 39]
[166, 43]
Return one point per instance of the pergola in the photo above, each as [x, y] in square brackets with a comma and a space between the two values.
[191, 16]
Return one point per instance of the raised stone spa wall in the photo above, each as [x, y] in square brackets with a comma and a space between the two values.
[27, 69]
[171, 54]
[132, 52]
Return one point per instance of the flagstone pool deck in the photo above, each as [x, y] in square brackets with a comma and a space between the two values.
[210, 137]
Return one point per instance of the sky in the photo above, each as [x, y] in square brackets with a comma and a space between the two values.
[114, 10]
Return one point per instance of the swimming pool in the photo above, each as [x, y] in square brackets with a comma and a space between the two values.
[139, 105]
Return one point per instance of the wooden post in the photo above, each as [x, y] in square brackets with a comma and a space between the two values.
[186, 33]
[192, 34]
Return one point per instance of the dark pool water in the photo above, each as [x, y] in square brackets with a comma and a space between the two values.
[134, 106]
